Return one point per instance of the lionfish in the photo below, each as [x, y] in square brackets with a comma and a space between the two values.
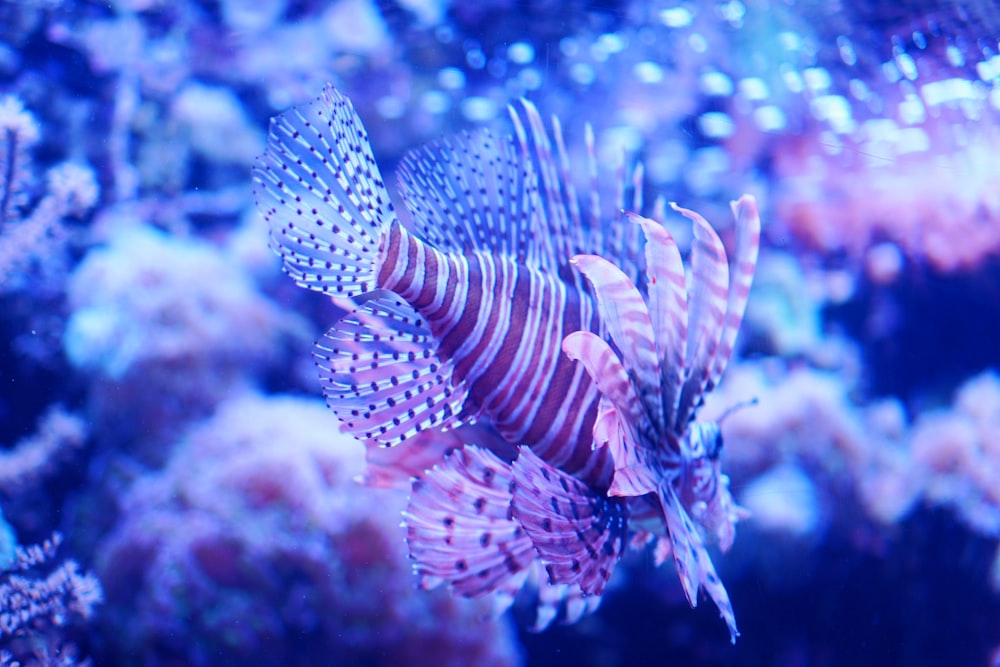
[460, 345]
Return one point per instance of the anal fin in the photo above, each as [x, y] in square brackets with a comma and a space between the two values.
[396, 467]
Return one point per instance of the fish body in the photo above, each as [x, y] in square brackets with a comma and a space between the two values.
[500, 325]
[527, 467]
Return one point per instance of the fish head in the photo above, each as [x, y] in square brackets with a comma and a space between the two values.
[704, 490]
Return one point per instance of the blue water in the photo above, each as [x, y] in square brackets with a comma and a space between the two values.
[159, 409]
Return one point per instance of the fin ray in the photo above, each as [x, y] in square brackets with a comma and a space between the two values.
[667, 309]
[472, 192]
[741, 273]
[459, 529]
[380, 374]
[606, 371]
[707, 296]
[624, 313]
[694, 565]
[579, 533]
[320, 190]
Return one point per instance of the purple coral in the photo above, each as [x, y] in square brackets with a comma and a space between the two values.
[34, 241]
[58, 433]
[174, 324]
[32, 608]
[254, 544]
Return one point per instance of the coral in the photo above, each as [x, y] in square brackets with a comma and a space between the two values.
[20, 132]
[58, 433]
[254, 544]
[784, 311]
[33, 609]
[783, 500]
[172, 323]
[34, 244]
[838, 205]
[806, 419]
[217, 125]
[807, 440]
[957, 449]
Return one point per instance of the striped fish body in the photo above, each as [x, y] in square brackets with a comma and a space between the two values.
[459, 321]
[501, 325]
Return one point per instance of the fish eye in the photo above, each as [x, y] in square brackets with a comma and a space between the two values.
[714, 448]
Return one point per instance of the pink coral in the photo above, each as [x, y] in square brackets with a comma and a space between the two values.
[958, 451]
[254, 544]
[806, 417]
[854, 199]
[807, 428]
[174, 324]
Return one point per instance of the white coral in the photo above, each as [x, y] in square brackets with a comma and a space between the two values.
[15, 119]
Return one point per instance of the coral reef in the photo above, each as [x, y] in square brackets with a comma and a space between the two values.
[254, 544]
[807, 440]
[148, 305]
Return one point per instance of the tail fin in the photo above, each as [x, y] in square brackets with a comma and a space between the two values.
[319, 189]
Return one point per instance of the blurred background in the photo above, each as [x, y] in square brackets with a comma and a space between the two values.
[173, 490]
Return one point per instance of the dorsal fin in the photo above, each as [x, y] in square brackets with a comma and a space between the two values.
[381, 376]
[517, 197]
[472, 192]
[579, 224]
[557, 194]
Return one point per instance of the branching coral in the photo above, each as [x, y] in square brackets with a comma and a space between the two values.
[32, 607]
[35, 241]
[58, 432]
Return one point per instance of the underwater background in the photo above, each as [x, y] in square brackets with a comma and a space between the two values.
[173, 489]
